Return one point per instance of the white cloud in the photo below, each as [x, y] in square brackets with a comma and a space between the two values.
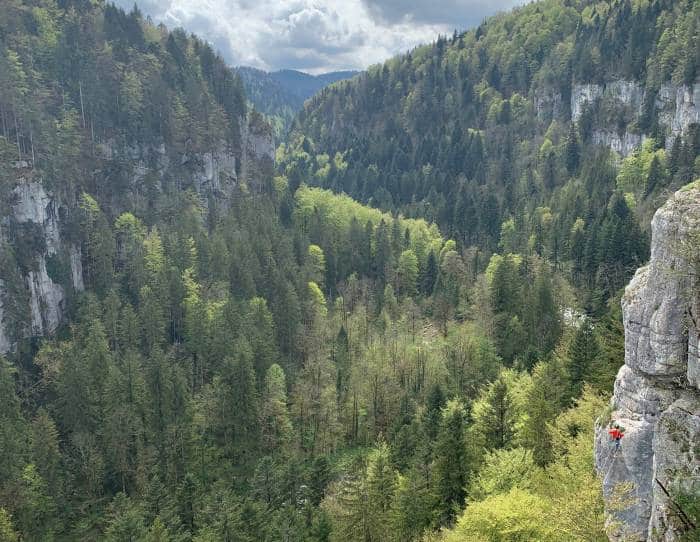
[316, 35]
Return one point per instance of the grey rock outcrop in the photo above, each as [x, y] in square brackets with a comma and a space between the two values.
[657, 392]
[677, 108]
[213, 175]
[32, 205]
[629, 93]
[623, 145]
[582, 95]
[258, 159]
[5, 339]
[619, 95]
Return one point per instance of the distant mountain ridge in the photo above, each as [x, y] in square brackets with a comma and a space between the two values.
[306, 85]
[280, 95]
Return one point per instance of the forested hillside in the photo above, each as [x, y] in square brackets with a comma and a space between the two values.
[280, 95]
[199, 346]
[513, 133]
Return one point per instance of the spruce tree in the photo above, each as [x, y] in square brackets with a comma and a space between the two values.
[450, 462]
[582, 353]
[572, 151]
[429, 275]
[495, 416]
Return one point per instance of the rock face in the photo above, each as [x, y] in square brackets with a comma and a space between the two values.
[657, 391]
[5, 339]
[258, 158]
[623, 145]
[33, 207]
[677, 107]
[213, 175]
[614, 95]
[581, 95]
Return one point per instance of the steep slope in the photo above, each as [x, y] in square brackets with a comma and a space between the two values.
[134, 115]
[525, 118]
[254, 358]
[280, 95]
[657, 391]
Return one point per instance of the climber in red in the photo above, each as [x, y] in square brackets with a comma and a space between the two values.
[616, 434]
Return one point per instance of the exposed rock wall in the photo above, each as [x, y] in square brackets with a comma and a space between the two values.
[258, 152]
[623, 145]
[32, 205]
[657, 391]
[5, 339]
[213, 175]
[677, 107]
[582, 95]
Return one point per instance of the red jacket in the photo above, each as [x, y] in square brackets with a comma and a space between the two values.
[616, 434]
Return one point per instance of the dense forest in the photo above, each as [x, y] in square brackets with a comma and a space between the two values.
[474, 134]
[280, 95]
[280, 361]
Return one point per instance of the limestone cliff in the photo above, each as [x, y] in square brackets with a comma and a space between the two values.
[657, 391]
[676, 107]
[51, 267]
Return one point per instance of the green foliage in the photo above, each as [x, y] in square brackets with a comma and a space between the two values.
[520, 501]
[12, 426]
[276, 429]
[636, 174]
[290, 364]
[407, 271]
[450, 468]
[582, 354]
[686, 509]
[513, 516]
[501, 471]
[7, 532]
[445, 133]
[495, 416]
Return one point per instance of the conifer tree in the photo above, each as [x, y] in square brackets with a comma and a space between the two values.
[450, 469]
[495, 416]
[582, 353]
[429, 275]
[276, 429]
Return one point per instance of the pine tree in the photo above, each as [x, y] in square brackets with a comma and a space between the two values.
[407, 272]
[547, 327]
[236, 425]
[125, 520]
[158, 532]
[381, 487]
[12, 427]
[548, 395]
[259, 329]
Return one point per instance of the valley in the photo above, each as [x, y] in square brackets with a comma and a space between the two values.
[405, 304]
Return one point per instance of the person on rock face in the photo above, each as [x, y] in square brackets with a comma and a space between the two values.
[616, 433]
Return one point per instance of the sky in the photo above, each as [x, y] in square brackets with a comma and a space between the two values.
[317, 36]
